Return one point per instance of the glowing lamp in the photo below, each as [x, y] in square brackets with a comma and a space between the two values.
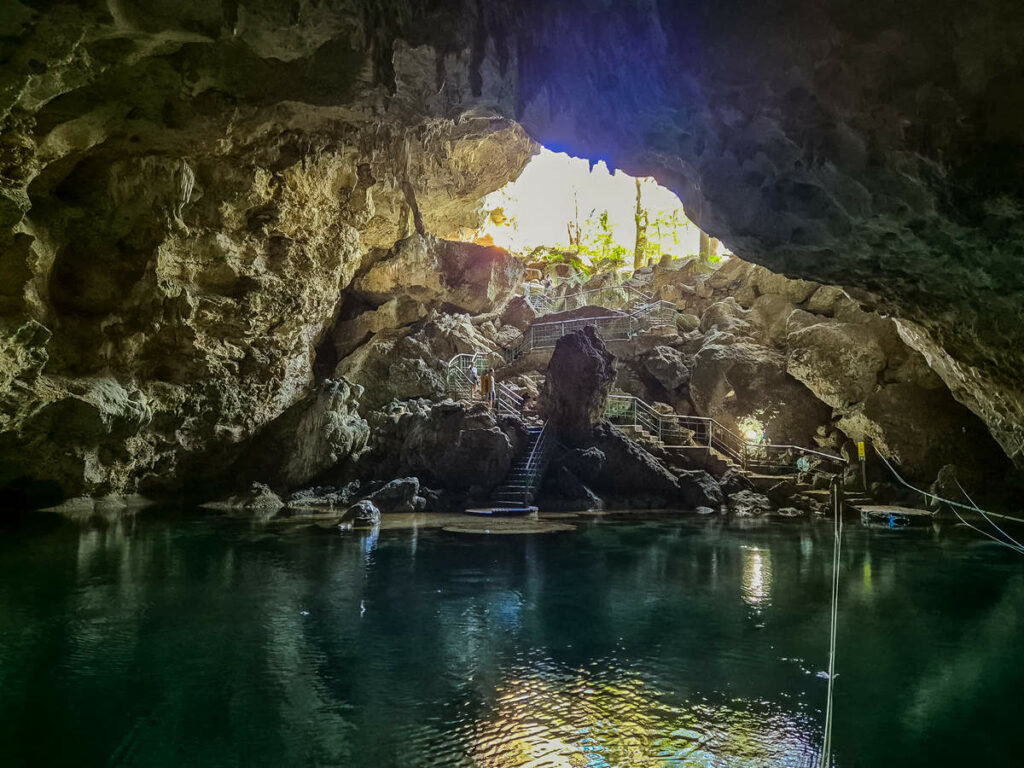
[752, 435]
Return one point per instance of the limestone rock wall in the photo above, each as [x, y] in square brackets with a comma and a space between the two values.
[184, 199]
[185, 187]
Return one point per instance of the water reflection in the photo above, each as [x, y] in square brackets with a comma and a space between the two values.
[549, 716]
[169, 641]
[757, 576]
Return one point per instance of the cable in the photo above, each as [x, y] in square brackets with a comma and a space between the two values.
[837, 545]
[953, 505]
[987, 519]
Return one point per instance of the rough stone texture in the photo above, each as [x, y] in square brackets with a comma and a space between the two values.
[467, 277]
[667, 366]
[579, 378]
[406, 363]
[185, 187]
[749, 504]
[448, 445]
[700, 489]
[737, 382]
[400, 495]
[362, 514]
[638, 477]
[310, 438]
[185, 193]
[840, 362]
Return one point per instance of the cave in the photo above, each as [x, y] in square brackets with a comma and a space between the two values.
[263, 322]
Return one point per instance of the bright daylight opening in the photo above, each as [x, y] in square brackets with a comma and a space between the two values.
[569, 210]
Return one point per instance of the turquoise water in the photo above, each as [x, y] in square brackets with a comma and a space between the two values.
[170, 639]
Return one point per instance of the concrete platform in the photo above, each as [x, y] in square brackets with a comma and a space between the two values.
[892, 516]
[503, 511]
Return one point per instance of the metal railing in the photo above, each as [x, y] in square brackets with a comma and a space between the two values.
[535, 466]
[675, 430]
[609, 327]
[508, 402]
[457, 378]
[773, 458]
[612, 297]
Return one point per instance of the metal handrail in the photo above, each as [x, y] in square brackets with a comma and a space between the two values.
[713, 435]
[802, 449]
[508, 401]
[528, 340]
[535, 464]
[544, 303]
[461, 363]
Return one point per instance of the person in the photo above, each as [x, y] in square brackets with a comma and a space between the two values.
[474, 378]
[487, 388]
[547, 283]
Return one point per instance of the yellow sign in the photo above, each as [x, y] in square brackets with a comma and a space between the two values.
[860, 451]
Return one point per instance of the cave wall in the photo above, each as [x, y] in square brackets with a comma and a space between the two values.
[186, 186]
[189, 210]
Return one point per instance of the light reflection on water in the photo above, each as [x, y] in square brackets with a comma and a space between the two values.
[547, 716]
[168, 641]
[757, 576]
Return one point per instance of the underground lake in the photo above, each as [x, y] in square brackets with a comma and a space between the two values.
[171, 639]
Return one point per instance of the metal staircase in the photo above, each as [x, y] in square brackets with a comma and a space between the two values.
[523, 480]
[674, 431]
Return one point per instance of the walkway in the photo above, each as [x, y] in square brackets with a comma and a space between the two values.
[660, 431]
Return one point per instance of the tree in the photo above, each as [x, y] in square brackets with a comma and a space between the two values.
[641, 218]
[708, 248]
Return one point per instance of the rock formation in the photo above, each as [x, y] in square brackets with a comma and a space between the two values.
[579, 378]
[188, 189]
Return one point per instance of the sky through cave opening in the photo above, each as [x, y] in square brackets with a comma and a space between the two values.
[564, 209]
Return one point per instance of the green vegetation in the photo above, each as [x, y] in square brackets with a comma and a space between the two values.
[659, 235]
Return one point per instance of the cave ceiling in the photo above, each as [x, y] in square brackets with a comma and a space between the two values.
[874, 145]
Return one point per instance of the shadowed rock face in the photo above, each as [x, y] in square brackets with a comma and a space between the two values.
[187, 188]
[579, 378]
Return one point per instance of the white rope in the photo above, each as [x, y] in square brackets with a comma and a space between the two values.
[837, 545]
[953, 505]
[981, 512]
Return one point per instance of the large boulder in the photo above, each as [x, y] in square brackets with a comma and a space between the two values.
[700, 489]
[468, 277]
[632, 473]
[82, 440]
[315, 435]
[749, 504]
[399, 495]
[411, 362]
[839, 362]
[667, 366]
[579, 378]
[362, 514]
[449, 445]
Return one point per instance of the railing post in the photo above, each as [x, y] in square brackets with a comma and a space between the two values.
[711, 426]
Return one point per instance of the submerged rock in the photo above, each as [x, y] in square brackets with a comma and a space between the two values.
[749, 504]
[362, 514]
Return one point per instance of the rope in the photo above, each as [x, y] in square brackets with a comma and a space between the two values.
[987, 518]
[837, 545]
[954, 505]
